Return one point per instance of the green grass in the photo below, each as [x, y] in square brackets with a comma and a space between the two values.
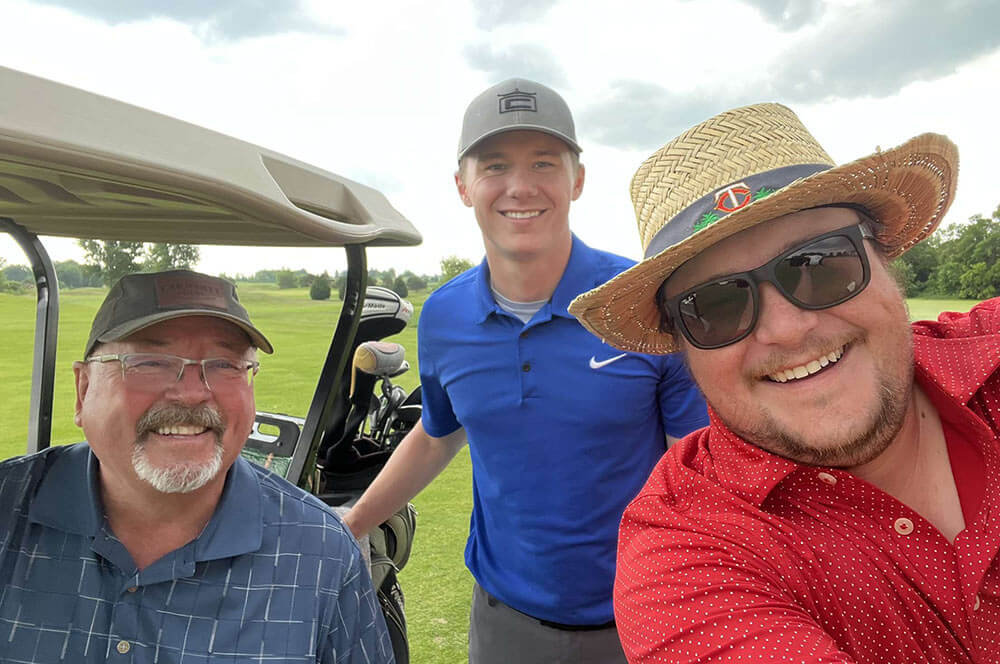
[436, 583]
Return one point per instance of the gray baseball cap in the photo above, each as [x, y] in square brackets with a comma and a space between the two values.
[517, 103]
[140, 300]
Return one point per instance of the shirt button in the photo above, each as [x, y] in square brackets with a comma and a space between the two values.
[526, 367]
[132, 589]
[975, 607]
[827, 478]
[123, 647]
[903, 526]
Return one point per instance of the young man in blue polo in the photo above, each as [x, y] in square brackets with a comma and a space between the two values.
[562, 428]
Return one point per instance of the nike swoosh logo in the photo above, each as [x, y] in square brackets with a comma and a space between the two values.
[594, 364]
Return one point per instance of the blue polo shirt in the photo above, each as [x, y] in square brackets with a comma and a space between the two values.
[274, 577]
[563, 431]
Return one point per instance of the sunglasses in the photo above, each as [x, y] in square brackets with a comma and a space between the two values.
[825, 271]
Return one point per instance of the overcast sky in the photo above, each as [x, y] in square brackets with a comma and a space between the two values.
[376, 91]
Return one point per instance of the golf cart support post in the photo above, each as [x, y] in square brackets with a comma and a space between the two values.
[77, 164]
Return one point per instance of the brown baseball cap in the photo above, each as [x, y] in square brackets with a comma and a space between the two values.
[140, 300]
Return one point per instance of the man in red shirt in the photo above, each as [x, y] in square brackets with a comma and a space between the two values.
[837, 508]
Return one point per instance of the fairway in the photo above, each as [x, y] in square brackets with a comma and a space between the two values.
[436, 583]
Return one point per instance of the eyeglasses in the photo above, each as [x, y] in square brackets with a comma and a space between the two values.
[152, 372]
[825, 271]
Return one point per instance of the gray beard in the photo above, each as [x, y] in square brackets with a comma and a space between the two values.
[180, 477]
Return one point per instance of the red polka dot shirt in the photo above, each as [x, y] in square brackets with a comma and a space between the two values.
[732, 554]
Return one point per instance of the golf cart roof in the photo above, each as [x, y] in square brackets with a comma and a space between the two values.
[77, 164]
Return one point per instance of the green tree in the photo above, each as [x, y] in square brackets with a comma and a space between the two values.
[452, 266]
[161, 256]
[400, 287]
[265, 276]
[320, 287]
[416, 283]
[904, 273]
[920, 263]
[112, 259]
[967, 256]
[286, 279]
[70, 274]
[19, 274]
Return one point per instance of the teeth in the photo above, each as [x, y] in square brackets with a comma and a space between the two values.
[807, 369]
[513, 214]
[180, 430]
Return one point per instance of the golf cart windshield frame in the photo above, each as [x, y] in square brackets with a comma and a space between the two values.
[77, 164]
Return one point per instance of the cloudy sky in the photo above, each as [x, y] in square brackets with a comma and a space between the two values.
[375, 91]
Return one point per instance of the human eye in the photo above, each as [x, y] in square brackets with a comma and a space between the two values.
[148, 363]
[495, 167]
[223, 364]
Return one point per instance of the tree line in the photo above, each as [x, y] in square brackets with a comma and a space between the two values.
[962, 260]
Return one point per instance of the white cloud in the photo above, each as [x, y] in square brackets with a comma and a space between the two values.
[382, 100]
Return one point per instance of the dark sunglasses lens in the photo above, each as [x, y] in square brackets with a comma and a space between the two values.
[718, 313]
[823, 273]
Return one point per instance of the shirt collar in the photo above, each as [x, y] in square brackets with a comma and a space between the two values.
[237, 527]
[958, 365]
[580, 275]
[68, 499]
[741, 468]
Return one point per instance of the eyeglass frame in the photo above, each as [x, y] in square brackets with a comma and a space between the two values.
[252, 366]
[670, 307]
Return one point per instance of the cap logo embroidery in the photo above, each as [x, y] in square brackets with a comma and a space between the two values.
[733, 197]
[518, 101]
[179, 291]
[730, 199]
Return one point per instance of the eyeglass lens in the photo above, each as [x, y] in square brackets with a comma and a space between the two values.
[817, 275]
[153, 371]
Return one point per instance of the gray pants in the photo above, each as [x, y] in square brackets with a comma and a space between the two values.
[499, 634]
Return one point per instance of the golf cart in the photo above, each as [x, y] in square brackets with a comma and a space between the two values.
[80, 165]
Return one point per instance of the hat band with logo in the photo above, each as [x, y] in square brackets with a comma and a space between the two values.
[712, 207]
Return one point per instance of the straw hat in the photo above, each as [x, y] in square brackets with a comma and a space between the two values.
[744, 167]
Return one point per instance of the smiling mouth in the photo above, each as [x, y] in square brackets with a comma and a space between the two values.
[522, 214]
[189, 430]
[808, 369]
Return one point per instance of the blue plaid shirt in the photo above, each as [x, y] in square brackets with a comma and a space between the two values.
[274, 577]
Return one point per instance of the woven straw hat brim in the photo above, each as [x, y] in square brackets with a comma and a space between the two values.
[908, 189]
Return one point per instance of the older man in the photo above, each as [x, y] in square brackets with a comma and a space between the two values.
[843, 505]
[154, 541]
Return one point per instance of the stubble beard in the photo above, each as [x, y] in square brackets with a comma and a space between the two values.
[183, 477]
[894, 392]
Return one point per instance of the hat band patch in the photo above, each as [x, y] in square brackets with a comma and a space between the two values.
[724, 201]
[183, 291]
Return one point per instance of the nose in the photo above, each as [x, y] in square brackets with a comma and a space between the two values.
[780, 322]
[191, 387]
[521, 183]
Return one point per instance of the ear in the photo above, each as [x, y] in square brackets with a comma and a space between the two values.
[578, 181]
[82, 380]
[462, 191]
